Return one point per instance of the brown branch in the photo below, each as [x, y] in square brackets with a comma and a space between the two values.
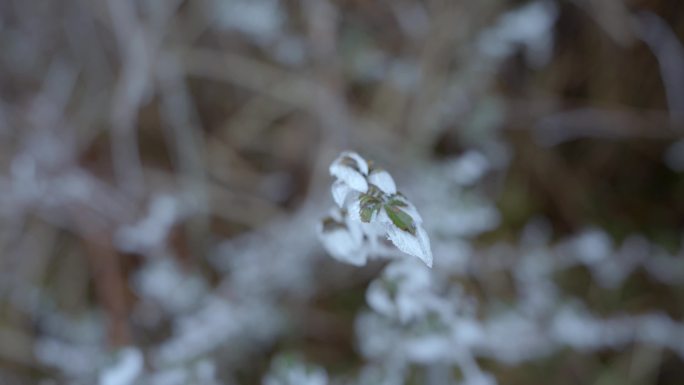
[107, 274]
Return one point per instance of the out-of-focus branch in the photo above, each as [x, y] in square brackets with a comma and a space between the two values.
[108, 278]
[251, 74]
[130, 93]
[669, 52]
[554, 124]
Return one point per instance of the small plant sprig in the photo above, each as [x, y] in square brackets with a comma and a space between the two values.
[369, 207]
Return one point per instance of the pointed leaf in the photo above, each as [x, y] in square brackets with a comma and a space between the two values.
[401, 219]
[351, 177]
[340, 190]
[383, 180]
[417, 245]
[353, 161]
[397, 202]
[368, 205]
[343, 244]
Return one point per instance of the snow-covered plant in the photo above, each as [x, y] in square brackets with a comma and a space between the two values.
[402, 291]
[370, 208]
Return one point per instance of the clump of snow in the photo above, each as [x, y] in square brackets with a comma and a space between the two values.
[125, 370]
[261, 19]
[528, 26]
[402, 291]
[163, 281]
[343, 238]
[469, 167]
[150, 232]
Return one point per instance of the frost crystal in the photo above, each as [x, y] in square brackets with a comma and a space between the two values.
[370, 206]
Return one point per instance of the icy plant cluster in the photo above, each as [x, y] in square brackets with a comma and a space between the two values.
[369, 208]
[109, 161]
[415, 318]
[423, 318]
[418, 318]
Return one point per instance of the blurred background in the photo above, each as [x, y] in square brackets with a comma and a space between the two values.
[164, 165]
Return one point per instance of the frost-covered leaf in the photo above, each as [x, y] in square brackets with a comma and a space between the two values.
[400, 219]
[343, 239]
[367, 212]
[417, 245]
[398, 200]
[340, 191]
[354, 160]
[383, 180]
[369, 205]
[341, 245]
[350, 177]
[351, 169]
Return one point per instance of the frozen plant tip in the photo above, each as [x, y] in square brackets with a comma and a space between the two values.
[369, 207]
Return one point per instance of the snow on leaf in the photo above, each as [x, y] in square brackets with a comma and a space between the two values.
[417, 245]
[355, 160]
[398, 200]
[349, 176]
[341, 246]
[343, 240]
[340, 191]
[351, 169]
[383, 180]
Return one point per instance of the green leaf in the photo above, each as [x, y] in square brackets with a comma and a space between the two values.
[366, 213]
[400, 218]
[396, 202]
[369, 204]
[367, 210]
